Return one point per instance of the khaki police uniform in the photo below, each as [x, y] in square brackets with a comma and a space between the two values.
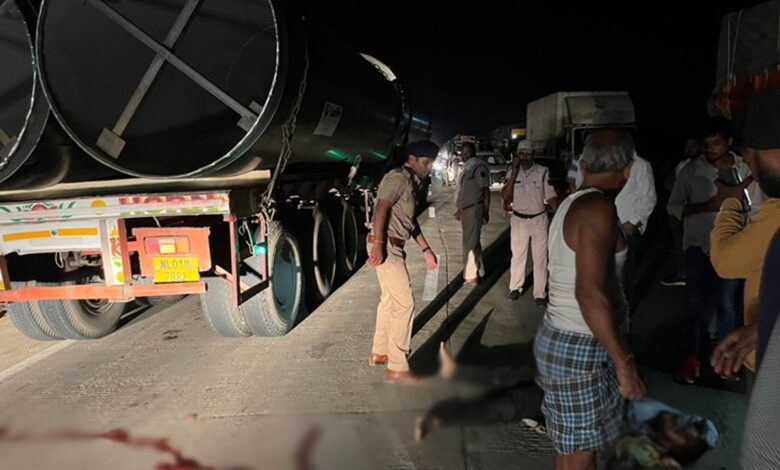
[532, 191]
[395, 312]
[469, 198]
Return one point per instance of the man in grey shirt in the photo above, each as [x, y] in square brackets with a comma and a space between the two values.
[472, 199]
[695, 200]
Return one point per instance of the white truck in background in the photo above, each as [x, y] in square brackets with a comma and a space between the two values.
[558, 124]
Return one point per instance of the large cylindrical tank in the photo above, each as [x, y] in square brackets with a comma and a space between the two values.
[23, 108]
[232, 73]
[34, 151]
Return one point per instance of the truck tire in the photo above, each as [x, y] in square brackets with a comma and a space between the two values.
[82, 319]
[221, 315]
[273, 311]
[348, 243]
[28, 319]
[319, 255]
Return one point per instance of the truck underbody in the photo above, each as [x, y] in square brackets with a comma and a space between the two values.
[71, 264]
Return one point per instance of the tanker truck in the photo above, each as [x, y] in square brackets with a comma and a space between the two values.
[34, 150]
[224, 149]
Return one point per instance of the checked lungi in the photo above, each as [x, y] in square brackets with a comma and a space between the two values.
[582, 406]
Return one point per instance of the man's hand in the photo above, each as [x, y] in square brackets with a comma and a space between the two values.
[515, 163]
[631, 385]
[378, 255]
[629, 229]
[726, 192]
[668, 463]
[430, 260]
[458, 214]
[507, 205]
[731, 352]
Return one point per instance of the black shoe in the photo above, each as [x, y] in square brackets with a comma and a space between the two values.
[514, 295]
[541, 302]
[673, 281]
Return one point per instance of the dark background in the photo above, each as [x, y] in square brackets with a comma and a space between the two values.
[476, 66]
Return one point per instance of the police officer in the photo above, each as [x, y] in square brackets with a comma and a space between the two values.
[528, 190]
[394, 223]
[472, 200]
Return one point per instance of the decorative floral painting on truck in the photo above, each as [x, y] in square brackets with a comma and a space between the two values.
[116, 207]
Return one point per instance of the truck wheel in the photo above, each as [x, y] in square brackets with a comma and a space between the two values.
[348, 245]
[82, 319]
[319, 255]
[163, 300]
[28, 319]
[273, 311]
[217, 305]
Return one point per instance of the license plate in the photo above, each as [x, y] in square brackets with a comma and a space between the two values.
[176, 269]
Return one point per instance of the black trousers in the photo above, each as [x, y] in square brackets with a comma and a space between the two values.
[632, 272]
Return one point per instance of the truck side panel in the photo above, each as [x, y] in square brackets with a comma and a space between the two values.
[169, 258]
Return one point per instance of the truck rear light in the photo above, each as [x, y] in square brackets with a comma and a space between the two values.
[167, 245]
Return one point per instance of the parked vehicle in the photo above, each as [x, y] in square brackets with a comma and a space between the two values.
[558, 124]
[242, 170]
[498, 167]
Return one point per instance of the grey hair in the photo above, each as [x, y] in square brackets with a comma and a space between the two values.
[603, 155]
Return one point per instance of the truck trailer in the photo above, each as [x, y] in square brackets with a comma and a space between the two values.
[558, 124]
[227, 151]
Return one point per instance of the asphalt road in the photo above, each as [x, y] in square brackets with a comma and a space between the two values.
[165, 391]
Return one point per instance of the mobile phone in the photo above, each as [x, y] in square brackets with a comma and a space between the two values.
[746, 202]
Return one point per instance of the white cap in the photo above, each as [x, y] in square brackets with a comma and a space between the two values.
[525, 146]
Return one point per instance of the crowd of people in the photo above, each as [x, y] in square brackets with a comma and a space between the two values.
[724, 217]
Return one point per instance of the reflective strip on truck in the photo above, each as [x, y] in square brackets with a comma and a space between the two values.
[78, 232]
[50, 237]
[65, 232]
[15, 237]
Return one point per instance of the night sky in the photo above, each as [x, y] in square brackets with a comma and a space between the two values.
[475, 68]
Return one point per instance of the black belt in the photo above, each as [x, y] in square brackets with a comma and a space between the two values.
[527, 216]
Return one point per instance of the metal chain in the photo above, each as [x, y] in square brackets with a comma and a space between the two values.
[733, 52]
[288, 130]
[244, 230]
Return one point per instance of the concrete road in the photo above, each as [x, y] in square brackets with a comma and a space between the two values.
[165, 391]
